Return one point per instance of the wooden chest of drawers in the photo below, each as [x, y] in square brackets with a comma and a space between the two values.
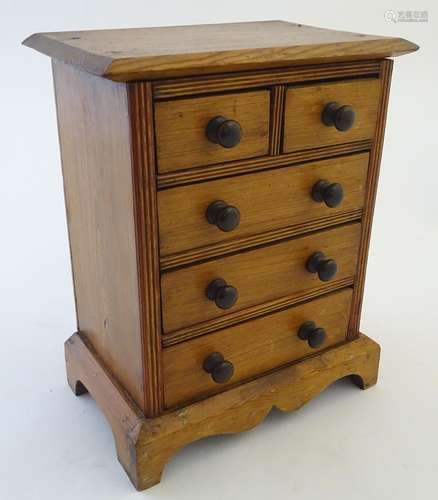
[220, 184]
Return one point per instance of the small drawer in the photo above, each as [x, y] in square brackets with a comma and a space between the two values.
[352, 119]
[256, 276]
[253, 348]
[181, 129]
[260, 202]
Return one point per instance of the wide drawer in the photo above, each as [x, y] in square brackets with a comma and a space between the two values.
[181, 126]
[266, 201]
[303, 125]
[253, 348]
[259, 276]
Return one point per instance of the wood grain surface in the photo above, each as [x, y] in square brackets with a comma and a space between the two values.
[253, 312]
[94, 133]
[144, 53]
[238, 167]
[254, 347]
[191, 85]
[146, 227]
[370, 199]
[267, 201]
[144, 446]
[303, 128]
[181, 124]
[231, 245]
[260, 275]
[278, 93]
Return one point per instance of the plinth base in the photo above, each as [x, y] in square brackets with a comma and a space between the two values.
[144, 445]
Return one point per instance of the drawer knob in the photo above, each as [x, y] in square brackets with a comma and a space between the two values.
[224, 216]
[314, 335]
[342, 117]
[223, 294]
[220, 369]
[330, 193]
[319, 263]
[223, 131]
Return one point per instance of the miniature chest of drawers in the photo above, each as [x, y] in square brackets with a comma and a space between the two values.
[220, 184]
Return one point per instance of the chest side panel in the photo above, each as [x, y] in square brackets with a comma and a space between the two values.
[94, 134]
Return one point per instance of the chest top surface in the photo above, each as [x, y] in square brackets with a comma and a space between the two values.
[149, 53]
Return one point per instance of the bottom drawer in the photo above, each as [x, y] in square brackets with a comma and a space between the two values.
[253, 348]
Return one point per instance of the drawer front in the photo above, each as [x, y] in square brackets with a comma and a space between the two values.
[266, 201]
[181, 129]
[303, 126]
[259, 276]
[252, 348]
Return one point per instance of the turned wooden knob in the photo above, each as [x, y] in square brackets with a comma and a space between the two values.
[224, 132]
[220, 369]
[224, 216]
[340, 116]
[314, 335]
[319, 263]
[330, 193]
[223, 294]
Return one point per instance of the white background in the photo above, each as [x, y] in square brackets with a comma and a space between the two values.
[346, 444]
